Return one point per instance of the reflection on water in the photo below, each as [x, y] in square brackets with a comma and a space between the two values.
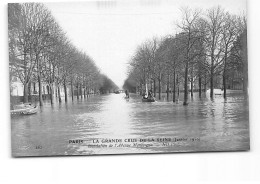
[220, 125]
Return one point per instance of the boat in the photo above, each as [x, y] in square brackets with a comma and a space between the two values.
[33, 110]
[148, 100]
[24, 109]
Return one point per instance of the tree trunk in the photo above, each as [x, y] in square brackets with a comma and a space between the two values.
[77, 91]
[178, 86]
[34, 87]
[205, 83]
[178, 92]
[39, 79]
[25, 93]
[154, 87]
[30, 91]
[191, 87]
[191, 83]
[168, 88]
[51, 93]
[212, 80]
[72, 92]
[48, 89]
[65, 91]
[81, 91]
[224, 85]
[40, 90]
[185, 102]
[56, 92]
[224, 73]
[59, 94]
[174, 88]
[159, 85]
[159, 89]
[140, 89]
[200, 85]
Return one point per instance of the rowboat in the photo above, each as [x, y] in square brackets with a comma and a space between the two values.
[33, 110]
[24, 109]
[148, 100]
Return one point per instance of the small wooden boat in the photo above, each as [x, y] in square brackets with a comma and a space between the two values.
[147, 97]
[25, 109]
[148, 100]
[33, 110]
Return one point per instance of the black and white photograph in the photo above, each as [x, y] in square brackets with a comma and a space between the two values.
[128, 77]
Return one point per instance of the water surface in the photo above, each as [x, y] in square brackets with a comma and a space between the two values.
[204, 125]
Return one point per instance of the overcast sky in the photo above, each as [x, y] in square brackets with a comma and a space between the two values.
[110, 32]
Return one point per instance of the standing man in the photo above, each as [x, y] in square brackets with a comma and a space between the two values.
[126, 93]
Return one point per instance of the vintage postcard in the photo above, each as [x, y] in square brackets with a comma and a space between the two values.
[128, 77]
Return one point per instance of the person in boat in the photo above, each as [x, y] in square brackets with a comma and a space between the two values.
[144, 95]
[150, 94]
[126, 93]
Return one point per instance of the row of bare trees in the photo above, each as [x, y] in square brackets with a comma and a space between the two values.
[210, 44]
[40, 53]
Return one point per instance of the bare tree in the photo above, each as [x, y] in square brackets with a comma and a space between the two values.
[21, 60]
[40, 23]
[189, 36]
[230, 30]
[214, 20]
[40, 52]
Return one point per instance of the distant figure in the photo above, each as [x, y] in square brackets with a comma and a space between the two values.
[150, 94]
[126, 94]
[144, 95]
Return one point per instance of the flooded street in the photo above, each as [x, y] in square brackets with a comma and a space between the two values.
[203, 125]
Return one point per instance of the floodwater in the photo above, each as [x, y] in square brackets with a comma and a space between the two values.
[111, 124]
